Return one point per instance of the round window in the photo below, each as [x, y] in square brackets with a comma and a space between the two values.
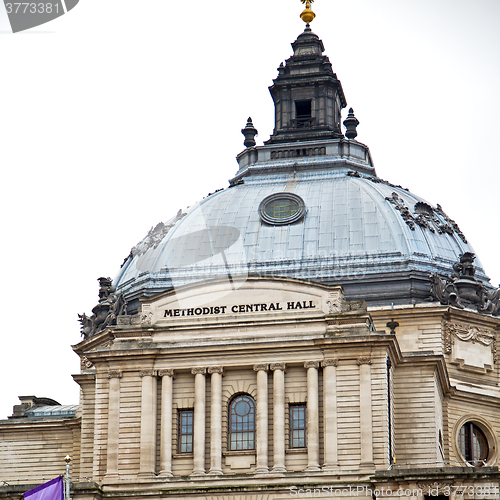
[473, 444]
[282, 208]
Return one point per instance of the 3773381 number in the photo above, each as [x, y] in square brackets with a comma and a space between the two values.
[32, 8]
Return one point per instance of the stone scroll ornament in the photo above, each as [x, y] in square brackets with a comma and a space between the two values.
[423, 215]
[104, 314]
[463, 290]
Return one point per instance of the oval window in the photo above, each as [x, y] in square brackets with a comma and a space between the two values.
[282, 208]
[473, 444]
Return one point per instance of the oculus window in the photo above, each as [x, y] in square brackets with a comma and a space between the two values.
[473, 444]
[242, 423]
[186, 431]
[282, 208]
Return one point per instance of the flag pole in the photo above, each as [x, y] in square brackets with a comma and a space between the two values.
[67, 459]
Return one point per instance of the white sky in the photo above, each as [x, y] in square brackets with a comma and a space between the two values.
[120, 113]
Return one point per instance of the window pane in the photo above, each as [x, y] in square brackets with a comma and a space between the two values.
[298, 426]
[242, 423]
[473, 444]
[186, 431]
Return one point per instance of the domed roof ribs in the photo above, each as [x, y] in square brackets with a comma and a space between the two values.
[308, 97]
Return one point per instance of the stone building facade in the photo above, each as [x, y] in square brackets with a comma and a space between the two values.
[311, 331]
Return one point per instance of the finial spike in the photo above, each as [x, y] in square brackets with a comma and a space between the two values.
[350, 123]
[249, 132]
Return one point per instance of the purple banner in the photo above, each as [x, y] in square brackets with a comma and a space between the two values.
[53, 490]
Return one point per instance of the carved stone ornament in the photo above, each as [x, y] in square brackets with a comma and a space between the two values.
[198, 371]
[311, 364]
[215, 369]
[146, 318]
[364, 360]
[277, 366]
[330, 362]
[463, 290]
[167, 372]
[426, 217]
[114, 374]
[335, 302]
[86, 362]
[147, 373]
[105, 313]
[467, 333]
[155, 236]
[261, 367]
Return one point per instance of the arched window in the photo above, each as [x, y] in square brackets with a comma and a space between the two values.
[473, 444]
[242, 423]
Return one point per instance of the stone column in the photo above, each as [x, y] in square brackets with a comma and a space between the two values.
[166, 422]
[216, 420]
[262, 415]
[330, 414]
[312, 416]
[365, 410]
[147, 466]
[199, 422]
[279, 416]
[113, 422]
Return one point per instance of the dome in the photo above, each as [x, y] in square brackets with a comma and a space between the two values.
[379, 240]
[307, 204]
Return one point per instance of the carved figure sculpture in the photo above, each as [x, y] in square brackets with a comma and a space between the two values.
[464, 290]
[110, 306]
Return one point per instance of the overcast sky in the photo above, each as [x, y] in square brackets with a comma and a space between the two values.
[118, 114]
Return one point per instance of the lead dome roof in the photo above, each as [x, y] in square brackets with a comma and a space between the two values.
[378, 240]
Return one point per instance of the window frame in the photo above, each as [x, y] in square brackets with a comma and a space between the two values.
[292, 420]
[467, 444]
[252, 424]
[296, 216]
[180, 434]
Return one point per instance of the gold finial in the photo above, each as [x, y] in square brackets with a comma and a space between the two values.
[307, 14]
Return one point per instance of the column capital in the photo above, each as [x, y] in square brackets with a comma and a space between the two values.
[215, 369]
[311, 364]
[278, 366]
[198, 371]
[115, 374]
[263, 367]
[147, 373]
[330, 362]
[167, 372]
[364, 360]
